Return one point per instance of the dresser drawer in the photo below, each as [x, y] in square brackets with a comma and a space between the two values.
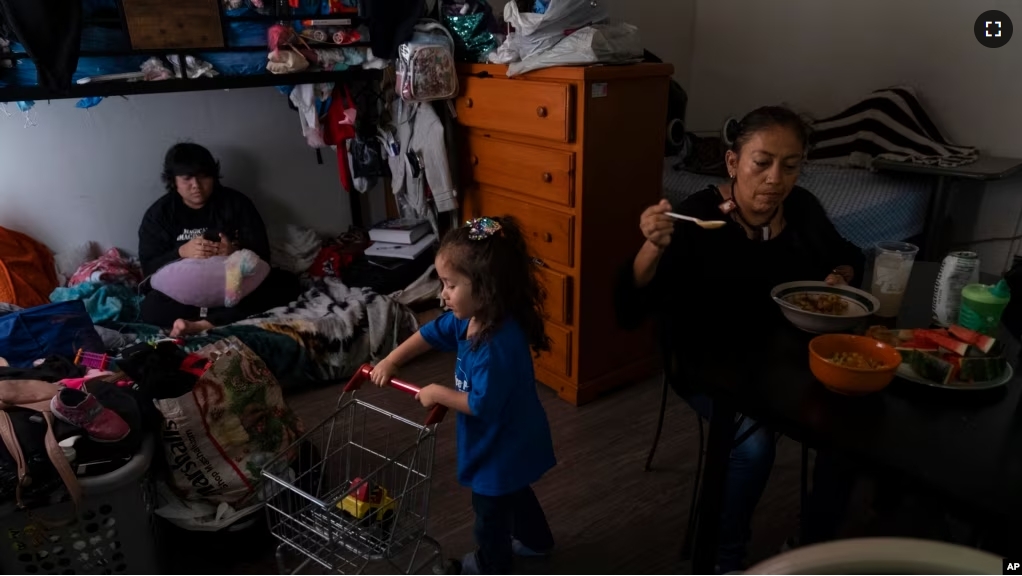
[548, 233]
[540, 109]
[558, 294]
[558, 359]
[539, 172]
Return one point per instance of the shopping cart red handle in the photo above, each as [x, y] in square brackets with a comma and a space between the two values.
[436, 414]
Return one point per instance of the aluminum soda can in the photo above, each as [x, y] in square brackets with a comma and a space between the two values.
[956, 271]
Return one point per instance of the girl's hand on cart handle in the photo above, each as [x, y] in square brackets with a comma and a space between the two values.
[427, 396]
[383, 372]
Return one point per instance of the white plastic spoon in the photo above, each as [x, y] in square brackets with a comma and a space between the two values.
[705, 224]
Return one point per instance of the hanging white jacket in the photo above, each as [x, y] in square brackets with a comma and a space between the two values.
[419, 131]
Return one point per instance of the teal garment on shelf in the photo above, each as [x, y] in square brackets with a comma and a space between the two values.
[472, 40]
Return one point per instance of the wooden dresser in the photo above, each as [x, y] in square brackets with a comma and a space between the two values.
[576, 154]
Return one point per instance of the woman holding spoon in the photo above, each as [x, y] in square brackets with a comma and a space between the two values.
[706, 269]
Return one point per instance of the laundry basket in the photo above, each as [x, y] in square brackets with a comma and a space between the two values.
[112, 535]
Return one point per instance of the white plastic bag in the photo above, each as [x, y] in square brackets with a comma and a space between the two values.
[537, 32]
[199, 516]
[601, 43]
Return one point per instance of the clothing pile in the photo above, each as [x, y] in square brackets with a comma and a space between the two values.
[27, 274]
[63, 419]
[107, 286]
[60, 421]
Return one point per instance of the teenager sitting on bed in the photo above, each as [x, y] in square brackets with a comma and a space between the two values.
[199, 218]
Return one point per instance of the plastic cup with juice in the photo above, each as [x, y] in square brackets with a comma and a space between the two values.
[891, 270]
[982, 306]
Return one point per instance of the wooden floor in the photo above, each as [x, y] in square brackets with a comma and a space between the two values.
[607, 515]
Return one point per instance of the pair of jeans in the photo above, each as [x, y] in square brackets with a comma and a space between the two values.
[834, 477]
[747, 474]
[499, 519]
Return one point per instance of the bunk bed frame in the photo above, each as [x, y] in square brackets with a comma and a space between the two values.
[280, 12]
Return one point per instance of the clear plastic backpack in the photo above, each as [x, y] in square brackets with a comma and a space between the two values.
[425, 64]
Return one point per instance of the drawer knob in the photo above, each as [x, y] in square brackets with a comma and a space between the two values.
[548, 177]
[468, 102]
[541, 111]
[548, 237]
[475, 160]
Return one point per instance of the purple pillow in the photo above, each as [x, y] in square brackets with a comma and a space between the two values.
[212, 282]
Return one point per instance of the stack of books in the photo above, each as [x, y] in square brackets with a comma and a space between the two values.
[400, 238]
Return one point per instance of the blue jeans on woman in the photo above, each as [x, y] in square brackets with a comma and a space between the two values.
[747, 474]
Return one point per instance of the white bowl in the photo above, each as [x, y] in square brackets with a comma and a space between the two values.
[860, 306]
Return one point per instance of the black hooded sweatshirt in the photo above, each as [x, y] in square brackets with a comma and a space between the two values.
[169, 223]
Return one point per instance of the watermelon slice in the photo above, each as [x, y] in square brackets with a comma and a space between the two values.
[918, 344]
[945, 342]
[981, 341]
[932, 368]
[956, 365]
[982, 369]
[907, 354]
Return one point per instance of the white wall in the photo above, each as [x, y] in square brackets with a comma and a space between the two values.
[667, 28]
[820, 55]
[89, 175]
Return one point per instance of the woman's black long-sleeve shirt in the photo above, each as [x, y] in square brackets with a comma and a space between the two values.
[712, 288]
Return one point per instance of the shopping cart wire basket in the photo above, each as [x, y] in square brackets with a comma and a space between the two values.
[355, 489]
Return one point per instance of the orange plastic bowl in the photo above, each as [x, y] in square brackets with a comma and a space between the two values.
[852, 381]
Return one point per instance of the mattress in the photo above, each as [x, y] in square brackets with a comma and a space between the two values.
[866, 207]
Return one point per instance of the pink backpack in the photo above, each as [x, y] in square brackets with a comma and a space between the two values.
[425, 64]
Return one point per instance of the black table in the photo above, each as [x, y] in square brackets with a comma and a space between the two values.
[965, 446]
[985, 169]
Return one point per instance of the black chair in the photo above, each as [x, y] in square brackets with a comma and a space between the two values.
[670, 361]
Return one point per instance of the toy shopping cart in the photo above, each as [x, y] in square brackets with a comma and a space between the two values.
[355, 489]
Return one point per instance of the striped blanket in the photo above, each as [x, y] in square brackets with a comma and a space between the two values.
[889, 124]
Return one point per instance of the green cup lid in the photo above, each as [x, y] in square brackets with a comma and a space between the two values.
[1001, 290]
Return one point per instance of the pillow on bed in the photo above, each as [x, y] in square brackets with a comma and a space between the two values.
[212, 282]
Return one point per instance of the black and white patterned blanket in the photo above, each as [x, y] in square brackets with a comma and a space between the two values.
[889, 124]
[326, 334]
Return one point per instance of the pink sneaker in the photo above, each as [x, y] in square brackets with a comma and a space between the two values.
[83, 410]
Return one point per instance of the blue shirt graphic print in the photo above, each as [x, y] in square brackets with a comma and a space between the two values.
[505, 445]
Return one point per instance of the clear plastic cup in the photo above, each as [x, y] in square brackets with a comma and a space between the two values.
[891, 270]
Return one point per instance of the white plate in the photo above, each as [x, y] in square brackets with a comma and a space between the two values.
[860, 306]
[905, 371]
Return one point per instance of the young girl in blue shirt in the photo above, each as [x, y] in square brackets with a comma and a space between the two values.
[495, 323]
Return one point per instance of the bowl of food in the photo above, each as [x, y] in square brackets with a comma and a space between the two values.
[820, 308]
[852, 365]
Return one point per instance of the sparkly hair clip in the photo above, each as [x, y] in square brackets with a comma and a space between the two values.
[482, 228]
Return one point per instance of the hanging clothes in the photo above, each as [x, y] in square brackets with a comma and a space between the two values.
[421, 161]
[51, 31]
[308, 99]
[338, 128]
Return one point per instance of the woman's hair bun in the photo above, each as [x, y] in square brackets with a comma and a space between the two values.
[732, 128]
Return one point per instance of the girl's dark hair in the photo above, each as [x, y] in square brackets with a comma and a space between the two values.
[187, 159]
[765, 118]
[503, 276]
